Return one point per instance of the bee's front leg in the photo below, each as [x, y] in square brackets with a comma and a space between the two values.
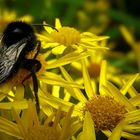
[33, 66]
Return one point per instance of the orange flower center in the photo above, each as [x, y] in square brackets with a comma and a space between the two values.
[105, 111]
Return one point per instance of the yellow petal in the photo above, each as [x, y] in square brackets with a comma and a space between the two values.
[53, 101]
[128, 84]
[57, 80]
[130, 136]
[127, 35]
[16, 104]
[88, 87]
[119, 96]
[2, 96]
[88, 132]
[67, 124]
[132, 128]
[55, 91]
[48, 28]
[132, 92]
[43, 38]
[94, 39]
[67, 97]
[26, 18]
[57, 23]
[49, 45]
[103, 74]
[58, 50]
[107, 132]
[75, 92]
[19, 95]
[74, 56]
[116, 133]
[135, 100]
[19, 123]
[132, 116]
[9, 128]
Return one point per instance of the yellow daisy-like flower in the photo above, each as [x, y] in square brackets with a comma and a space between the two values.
[110, 110]
[93, 64]
[64, 40]
[29, 127]
[9, 16]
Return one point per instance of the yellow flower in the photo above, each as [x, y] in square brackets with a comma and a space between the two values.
[110, 109]
[93, 63]
[111, 104]
[69, 43]
[105, 112]
[9, 16]
[29, 127]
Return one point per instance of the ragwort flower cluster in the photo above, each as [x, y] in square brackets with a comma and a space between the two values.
[69, 109]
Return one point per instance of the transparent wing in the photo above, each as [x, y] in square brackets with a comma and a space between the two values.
[8, 58]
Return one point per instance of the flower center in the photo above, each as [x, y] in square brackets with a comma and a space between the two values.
[94, 70]
[66, 36]
[43, 133]
[105, 111]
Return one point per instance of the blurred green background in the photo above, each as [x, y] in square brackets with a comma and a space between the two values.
[71, 12]
[119, 11]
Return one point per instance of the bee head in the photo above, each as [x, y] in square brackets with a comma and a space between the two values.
[17, 31]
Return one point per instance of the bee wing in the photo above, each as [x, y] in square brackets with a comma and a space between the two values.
[8, 58]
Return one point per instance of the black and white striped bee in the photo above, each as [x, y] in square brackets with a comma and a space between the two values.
[18, 39]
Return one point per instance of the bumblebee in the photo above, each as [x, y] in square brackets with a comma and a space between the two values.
[18, 39]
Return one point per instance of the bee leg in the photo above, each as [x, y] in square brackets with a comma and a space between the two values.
[33, 66]
[38, 48]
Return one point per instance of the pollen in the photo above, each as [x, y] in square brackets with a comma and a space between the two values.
[66, 36]
[42, 133]
[105, 111]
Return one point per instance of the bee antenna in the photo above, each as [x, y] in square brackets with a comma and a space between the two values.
[44, 25]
